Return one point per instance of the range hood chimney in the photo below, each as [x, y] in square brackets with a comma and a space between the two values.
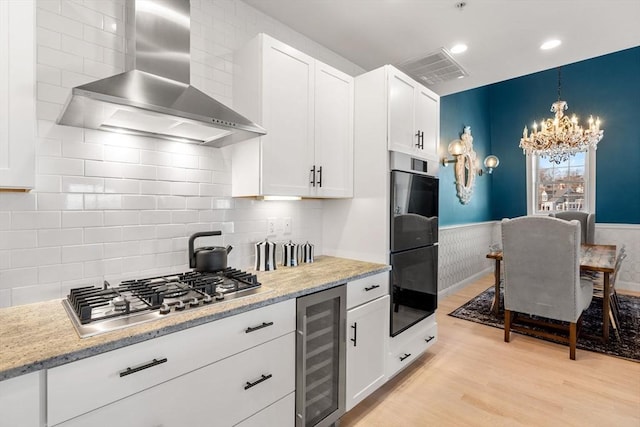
[155, 98]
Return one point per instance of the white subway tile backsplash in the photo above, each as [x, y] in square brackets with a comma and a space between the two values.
[82, 253]
[155, 187]
[103, 169]
[34, 220]
[73, 219]
[155, 217]
[197, 175]
[122, 186]
[48, 74]
[58, 23]
[103, 267]
[48, 147]
[140, 232]
[198, 203]
[82, 150]
[52, 93]
[138, 202]
[17, 201]
[30, 294]
[81, 48]
[102, 234]
[59, 237]
[215, 190]
[184, 217]
[79, 184]
[81, 13]
[5, 259]
[49, 5]
[138, 263]
[48, 184]
[185, 188]
[172, 202]
[5, 221]
[18, 277]
[114, 9]
[121, 250]
[170, 231]
[60, 166]
[5, 298]
[60, 272]
[48, 38]
[121, 218]
[35, 257]
[47, 110]
[139, 171]
[102, 201]
[58, 59]
[102, 38]
[171, 174]
[97, 69]
[156, 246]
[121, 154]
[21, 239]
[60, 201]
[47, 129]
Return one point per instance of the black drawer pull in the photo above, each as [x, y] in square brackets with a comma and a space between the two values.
[258, 381]
[355, 333]
[404, 357]
[429, 339]
[370, 288]
[255, 328]
[313, 179]
[154, 362]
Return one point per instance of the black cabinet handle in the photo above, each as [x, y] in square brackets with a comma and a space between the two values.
[255, 328]
[320, 175]
[429, 339]
[420, 143]
[313, 178]
[404, 357]
[372, 287]
[355, 333]
[258, 381]
[154, 362]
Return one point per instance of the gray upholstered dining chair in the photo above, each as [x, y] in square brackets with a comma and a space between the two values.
[587, 223]
[541, 258]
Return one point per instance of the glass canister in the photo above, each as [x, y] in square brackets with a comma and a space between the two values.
[265, 255]
[290, 254]
[306, 252]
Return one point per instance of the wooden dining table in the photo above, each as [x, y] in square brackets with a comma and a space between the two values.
[597, 258]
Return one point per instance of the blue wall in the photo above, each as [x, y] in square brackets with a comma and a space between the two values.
[470, 108]
[607, 86]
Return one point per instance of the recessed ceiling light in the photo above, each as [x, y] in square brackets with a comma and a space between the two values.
[459, 48]
[550, 44]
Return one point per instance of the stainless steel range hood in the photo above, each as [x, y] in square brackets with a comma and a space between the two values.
[155, 98]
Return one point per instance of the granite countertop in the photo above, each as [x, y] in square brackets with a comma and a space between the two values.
[40, 336]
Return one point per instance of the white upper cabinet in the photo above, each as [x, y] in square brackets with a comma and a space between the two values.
[307, 109]
[414, 116]
[17, 103]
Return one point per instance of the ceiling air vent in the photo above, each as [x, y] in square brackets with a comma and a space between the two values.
[436, 67]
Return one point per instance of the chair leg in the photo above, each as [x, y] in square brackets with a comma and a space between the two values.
[507, 325]
[573, 338]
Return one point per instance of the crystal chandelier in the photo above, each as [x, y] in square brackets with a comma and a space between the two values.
[560, 137]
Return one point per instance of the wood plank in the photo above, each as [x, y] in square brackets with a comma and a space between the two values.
[472, 377]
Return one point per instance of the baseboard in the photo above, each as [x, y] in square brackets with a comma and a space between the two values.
[464, 283]
[628, 286]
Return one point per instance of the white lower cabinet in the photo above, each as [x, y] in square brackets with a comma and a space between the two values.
[367, 332]
[161, 376]
[221, 394]
[279, 414]
[20, 401]
[410, 344]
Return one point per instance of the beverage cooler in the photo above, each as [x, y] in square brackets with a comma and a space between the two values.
[320, 351]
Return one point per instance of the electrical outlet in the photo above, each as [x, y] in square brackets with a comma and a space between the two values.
[271, 226]
[287, 225]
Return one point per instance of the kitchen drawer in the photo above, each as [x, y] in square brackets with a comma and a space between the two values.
[410, 344]
[84, 385]
[280, 414]
[367, 289]
[215, 395]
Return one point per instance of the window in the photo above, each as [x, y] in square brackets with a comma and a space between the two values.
[568, 186]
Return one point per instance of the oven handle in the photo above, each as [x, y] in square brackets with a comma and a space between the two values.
[255, 328]
[151, 364]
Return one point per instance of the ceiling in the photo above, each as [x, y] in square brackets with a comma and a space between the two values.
[503, 36]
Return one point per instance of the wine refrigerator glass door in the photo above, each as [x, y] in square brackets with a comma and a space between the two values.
[320, 348]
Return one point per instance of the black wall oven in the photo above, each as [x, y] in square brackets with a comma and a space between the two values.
[414, 246]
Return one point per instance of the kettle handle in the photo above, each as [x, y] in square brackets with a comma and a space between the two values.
[192, 256]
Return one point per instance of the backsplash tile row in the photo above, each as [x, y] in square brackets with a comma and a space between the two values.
[109, 206]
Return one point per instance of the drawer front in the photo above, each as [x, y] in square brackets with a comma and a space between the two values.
[220, 394]
[367, 289]
[84, 385]
[403, 350]
[281, 414]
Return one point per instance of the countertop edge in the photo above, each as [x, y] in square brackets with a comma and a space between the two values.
[135, 339]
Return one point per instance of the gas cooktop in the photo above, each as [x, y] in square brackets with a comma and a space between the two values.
[94, 310]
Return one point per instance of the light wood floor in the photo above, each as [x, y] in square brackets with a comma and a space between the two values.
[471, 377]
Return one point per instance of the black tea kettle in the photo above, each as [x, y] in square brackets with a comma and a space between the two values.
[208, 258]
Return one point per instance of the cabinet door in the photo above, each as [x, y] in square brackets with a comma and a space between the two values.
[280, 414]
[333, 132]
[17, 103]
[427, 122]
[287, 149]
[367, 331]
[402, 133]
[20, 401]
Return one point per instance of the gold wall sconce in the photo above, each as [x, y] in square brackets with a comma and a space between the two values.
[467, 165]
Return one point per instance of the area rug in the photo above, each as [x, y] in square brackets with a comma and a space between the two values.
[627, 346]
